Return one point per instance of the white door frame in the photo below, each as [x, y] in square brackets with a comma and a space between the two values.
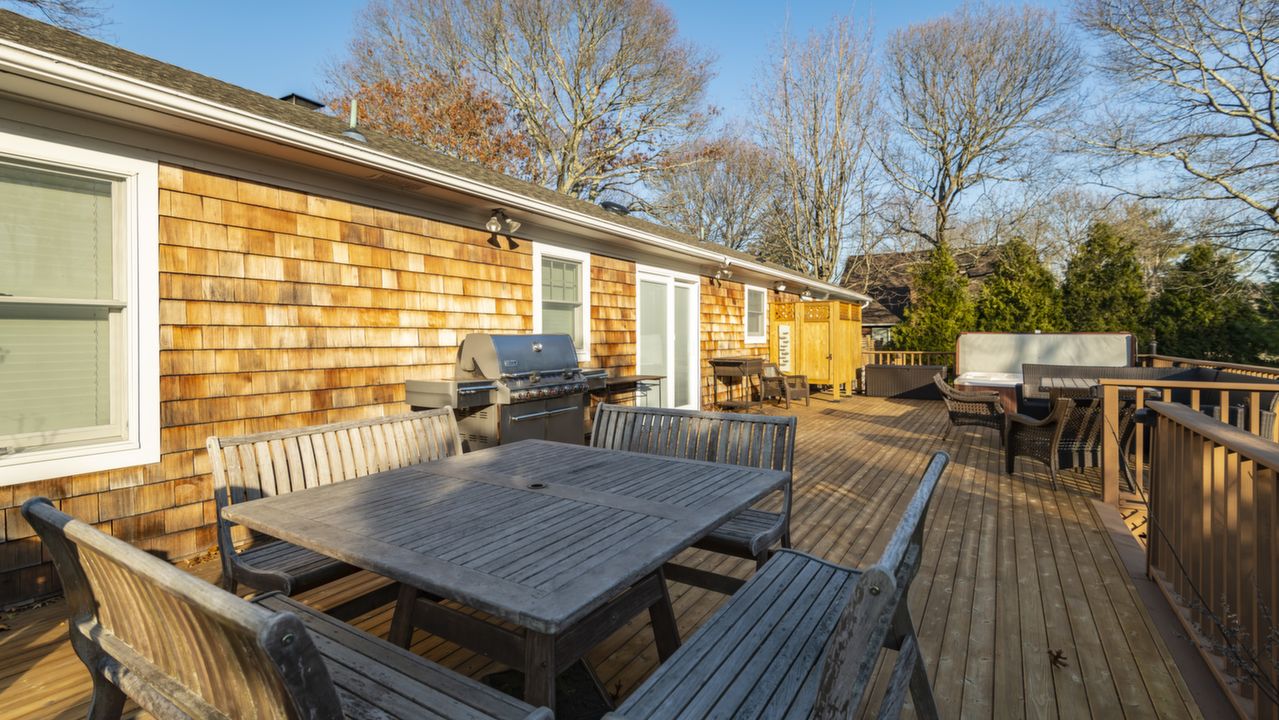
[670, 279]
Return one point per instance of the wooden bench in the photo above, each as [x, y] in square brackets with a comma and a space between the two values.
[751, 440]
[182, 648]
[273, 463]
[802, 639]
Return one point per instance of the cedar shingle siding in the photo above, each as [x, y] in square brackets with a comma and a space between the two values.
[282, 309]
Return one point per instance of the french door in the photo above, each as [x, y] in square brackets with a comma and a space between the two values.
[668, 335]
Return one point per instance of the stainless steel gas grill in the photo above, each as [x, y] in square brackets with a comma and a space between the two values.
[510, 387]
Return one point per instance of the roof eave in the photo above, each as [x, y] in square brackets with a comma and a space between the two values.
[57, 70]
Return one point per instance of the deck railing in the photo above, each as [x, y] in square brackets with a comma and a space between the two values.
[909, 357]
[1201, 394]
[1173, 361]
[1213, 547]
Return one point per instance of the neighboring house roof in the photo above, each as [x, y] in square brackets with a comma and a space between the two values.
[16, 30]
[888, 277]
[876, 315]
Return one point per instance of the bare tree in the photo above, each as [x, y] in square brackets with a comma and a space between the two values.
[1200, 92]
[969, 94]
[814, 111]
[78, 15]
[603, 90]
[1059, 222]
[718, 190]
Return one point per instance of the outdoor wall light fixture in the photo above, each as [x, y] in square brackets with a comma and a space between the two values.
[494, 226]
[779, 286]
[807, 294]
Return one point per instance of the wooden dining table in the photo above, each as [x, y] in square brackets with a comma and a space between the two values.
[1073, 387]
[564, 542]
[1067, 386]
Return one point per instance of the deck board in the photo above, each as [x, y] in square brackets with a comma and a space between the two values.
[1012, 570]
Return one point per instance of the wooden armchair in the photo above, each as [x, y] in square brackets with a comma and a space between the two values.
[776, 386]
[272, 463]
[802, 638]
[752, 440]
[182, 648]
[1070, 437]
[982, 409]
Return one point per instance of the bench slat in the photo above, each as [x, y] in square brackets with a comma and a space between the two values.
[372, 674]
[750, 440]
[180, 647]
[802, 638]
[282, 461]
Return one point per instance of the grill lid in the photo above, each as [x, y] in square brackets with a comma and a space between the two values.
[493, 357]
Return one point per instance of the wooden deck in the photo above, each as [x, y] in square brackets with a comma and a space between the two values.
[1023, 605]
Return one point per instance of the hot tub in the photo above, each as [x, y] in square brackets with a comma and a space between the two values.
[1004, 383]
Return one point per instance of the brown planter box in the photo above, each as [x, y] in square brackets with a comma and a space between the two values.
[903, 381]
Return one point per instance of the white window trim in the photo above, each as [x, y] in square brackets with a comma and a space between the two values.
[139, 176]
[541, 250]
[746, 324]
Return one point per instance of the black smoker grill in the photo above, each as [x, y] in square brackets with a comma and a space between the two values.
[511, 387]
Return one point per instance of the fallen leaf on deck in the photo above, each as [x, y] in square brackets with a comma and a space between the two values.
[1058, 658]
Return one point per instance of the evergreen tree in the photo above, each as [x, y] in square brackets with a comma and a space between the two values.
[1270, 302]
[940, 306]
[1206, 311]
[1103, 290]
[1020, 295]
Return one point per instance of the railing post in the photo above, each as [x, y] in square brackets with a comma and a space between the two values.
[1110, 445]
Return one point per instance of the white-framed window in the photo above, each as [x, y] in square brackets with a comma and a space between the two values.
[562, 294]
[756, 315]
[79, 304]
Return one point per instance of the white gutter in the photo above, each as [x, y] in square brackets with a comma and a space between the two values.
[53, 69]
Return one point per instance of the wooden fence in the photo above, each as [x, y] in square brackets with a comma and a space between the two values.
[909, 357]
[1213, 547]
[1173, 361]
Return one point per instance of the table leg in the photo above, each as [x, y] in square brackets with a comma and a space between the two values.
[662, 615]
[539, 669]
[401, 632]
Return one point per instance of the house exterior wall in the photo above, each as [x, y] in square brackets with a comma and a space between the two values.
[613, 314]
[723, 326]
[281, 309]
[277, 309]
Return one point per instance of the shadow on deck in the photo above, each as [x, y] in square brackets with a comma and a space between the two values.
[1023, 604]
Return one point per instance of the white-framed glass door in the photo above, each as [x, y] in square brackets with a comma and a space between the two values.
[668, 335]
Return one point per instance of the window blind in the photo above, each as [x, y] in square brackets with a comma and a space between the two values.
[58, 359]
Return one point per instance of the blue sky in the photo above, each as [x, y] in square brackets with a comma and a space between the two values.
[280, 46]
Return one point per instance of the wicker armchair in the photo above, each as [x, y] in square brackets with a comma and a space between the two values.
[777, 386]
[1070, 437]
[982, 409]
